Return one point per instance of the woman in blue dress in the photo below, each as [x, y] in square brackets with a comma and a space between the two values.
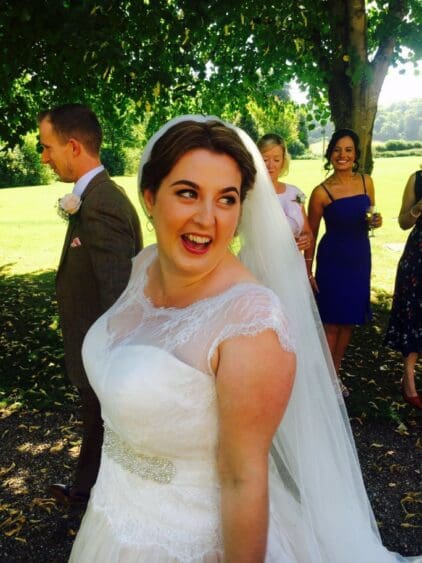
[343, 260]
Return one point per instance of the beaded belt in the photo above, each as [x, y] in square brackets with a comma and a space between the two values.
[154, 468]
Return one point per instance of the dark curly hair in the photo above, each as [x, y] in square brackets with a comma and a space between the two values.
[336, 136]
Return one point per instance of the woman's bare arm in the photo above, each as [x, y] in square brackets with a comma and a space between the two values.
[254, 380]
[315, 212]
[410, 209]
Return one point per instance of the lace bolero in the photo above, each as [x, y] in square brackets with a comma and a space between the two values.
[193, 333]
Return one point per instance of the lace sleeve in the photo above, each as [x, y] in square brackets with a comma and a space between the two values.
[256, 309]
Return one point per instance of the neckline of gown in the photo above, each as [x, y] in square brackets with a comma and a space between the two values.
[346, 197]
[148, 302]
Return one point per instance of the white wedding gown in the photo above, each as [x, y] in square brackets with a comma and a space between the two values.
[157, 495]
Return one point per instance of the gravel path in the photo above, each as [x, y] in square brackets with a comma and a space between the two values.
[39, 448]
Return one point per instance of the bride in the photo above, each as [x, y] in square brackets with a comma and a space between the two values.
[226, 437]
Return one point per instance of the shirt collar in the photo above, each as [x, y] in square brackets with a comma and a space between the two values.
[84, 180]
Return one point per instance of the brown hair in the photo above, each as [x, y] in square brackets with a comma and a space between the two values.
[188, 135]
[336, 136]
[77, 121]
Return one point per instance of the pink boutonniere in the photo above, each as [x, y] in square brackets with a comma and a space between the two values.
[68, 205]
[76, 242]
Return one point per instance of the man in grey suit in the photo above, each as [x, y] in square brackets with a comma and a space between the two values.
[103, 235]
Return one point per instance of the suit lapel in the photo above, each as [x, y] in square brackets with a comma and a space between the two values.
[73, 220]
[68, 238]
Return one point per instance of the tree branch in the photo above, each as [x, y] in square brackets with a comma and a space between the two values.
[397, 9]
[357, 29]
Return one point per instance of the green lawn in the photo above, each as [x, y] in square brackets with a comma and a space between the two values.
[31, 233]
[40, 425]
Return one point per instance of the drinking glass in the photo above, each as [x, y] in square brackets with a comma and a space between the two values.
[371, 214]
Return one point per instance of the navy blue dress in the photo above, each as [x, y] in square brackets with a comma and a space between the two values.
[404, 332]
[344, 261]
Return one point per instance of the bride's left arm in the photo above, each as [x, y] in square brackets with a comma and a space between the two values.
[254, 381]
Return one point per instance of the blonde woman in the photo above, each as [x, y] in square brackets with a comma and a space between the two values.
[277, 160]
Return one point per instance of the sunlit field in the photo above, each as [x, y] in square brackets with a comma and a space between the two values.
[31, 232]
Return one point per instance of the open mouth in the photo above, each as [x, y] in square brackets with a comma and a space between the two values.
[197, 244]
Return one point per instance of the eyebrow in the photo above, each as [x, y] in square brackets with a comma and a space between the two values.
[196, 186]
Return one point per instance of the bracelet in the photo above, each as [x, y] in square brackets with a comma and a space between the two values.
[413, 215]
[308, 259]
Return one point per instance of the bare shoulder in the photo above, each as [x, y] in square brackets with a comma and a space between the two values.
[410, 185]
[368, 180]
[255, 375]
[409, 195]
[319, 198]
[319, 191]
[259, 353]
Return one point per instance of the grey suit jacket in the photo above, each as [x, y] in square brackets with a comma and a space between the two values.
[92, 276]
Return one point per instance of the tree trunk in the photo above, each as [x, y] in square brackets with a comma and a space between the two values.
[355, 83]
[355, 110]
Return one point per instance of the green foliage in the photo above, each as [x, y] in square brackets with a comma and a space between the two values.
[162, 57]
[131, 159]
[398, 145]
[121, 161]
[402, 120]
[399, 153]
[303, 130]
[296, 148]
[275, 116]
[21, 166]
[393, 148]
[113, 160]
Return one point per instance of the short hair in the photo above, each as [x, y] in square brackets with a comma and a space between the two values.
[336, 136]
[77, 121]
[271, 140]
[212, 135]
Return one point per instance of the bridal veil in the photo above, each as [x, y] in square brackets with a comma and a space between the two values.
[316, 488]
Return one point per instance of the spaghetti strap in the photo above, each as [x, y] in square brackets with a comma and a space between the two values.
[364, 185]
[328, 192]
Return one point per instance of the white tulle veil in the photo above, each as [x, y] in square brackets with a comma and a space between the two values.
[316, 489]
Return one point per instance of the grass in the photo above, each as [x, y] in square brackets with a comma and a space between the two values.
[31, 234]
[39, 421]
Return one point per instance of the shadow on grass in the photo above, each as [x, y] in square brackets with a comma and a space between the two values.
[32, 364]
[31, 349]
[40, 426]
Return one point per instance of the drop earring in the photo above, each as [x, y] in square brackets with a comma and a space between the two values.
[150, 226]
